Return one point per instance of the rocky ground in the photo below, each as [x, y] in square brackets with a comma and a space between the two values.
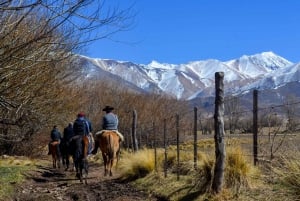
[47, 184]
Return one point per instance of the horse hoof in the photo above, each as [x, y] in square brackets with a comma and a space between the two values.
[78, 175]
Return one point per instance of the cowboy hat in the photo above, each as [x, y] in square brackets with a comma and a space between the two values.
[108, 108]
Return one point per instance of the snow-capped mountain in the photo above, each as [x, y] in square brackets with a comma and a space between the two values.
[196, 79]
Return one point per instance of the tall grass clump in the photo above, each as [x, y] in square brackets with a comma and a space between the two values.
[292, 178]
[137, 164]
[289, 173]
[238, 169]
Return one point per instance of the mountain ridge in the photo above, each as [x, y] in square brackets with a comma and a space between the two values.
[194, 79]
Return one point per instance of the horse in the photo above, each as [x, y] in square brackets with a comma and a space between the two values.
[109, 143]
[55, 154]
[78, 148]
[66, 154]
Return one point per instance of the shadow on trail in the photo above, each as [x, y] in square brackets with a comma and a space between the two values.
[48, 174]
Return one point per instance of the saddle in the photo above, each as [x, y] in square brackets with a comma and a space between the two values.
[54, 143]
[115, 131]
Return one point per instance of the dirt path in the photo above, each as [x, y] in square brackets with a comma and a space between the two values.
[47, 184]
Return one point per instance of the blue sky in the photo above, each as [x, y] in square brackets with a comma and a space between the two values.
[178, 32]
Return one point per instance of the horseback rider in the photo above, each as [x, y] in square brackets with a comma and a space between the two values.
[83, 127]
[110, 121]
[68, 132]
[55, 137]
[64, 145]
[80, 126]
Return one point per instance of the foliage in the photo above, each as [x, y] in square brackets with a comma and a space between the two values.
[139, 167]
[289, 173]
[12, 172]
[38, 69]
[137, 164]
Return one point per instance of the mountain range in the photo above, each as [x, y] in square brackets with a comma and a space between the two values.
[196, 79]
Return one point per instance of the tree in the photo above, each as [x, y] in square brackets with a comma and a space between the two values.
[232, 108]
[38, 41]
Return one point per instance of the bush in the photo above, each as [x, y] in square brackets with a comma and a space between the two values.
[237, 169]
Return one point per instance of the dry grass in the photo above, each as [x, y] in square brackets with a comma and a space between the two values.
[242, 181]
[288, 173]
[192, 183]
[12, 171]
[137, 164]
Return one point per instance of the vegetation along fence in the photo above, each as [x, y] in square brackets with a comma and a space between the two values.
[257, 122]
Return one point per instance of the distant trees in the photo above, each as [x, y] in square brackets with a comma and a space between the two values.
[232, 110]
[37, 42]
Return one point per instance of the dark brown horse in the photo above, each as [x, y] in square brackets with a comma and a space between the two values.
[109, 143]
[55, 154]
[66, 155]
[78, 148]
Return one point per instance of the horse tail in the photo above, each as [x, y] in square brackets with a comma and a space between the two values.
[110, 147]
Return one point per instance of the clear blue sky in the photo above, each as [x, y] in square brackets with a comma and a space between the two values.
[177, 32]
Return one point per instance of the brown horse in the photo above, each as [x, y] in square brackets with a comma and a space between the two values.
[55, 155]
[109, 143]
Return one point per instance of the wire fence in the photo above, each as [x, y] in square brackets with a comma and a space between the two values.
[277, 128]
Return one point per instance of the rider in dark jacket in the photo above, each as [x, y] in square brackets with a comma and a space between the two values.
[81, 126]
[55, 136]
[68, 132]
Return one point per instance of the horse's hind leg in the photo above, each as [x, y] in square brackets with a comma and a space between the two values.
[111, 162]
[85, 168]
[77, 167]
[58, 162]
[105, 160]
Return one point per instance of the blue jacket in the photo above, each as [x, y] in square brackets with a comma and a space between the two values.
[55, 135]
[110, 122]
[79, 126]
[89, 125]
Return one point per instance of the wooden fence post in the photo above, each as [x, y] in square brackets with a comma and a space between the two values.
[195, 138]
[134, 120]
[165, 146]
[155, 151]
[255, 129]
[177, 139]
[219, 134]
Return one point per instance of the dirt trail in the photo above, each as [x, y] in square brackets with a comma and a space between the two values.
[47, 184]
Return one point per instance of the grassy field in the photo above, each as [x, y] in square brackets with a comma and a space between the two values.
[12, 172]
[276, 177]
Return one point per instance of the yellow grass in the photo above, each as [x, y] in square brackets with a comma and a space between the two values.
[12, 171]
[192, 183]
[136, 164]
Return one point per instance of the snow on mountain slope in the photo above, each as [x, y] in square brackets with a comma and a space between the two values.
[276, 78]
[194, 79]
